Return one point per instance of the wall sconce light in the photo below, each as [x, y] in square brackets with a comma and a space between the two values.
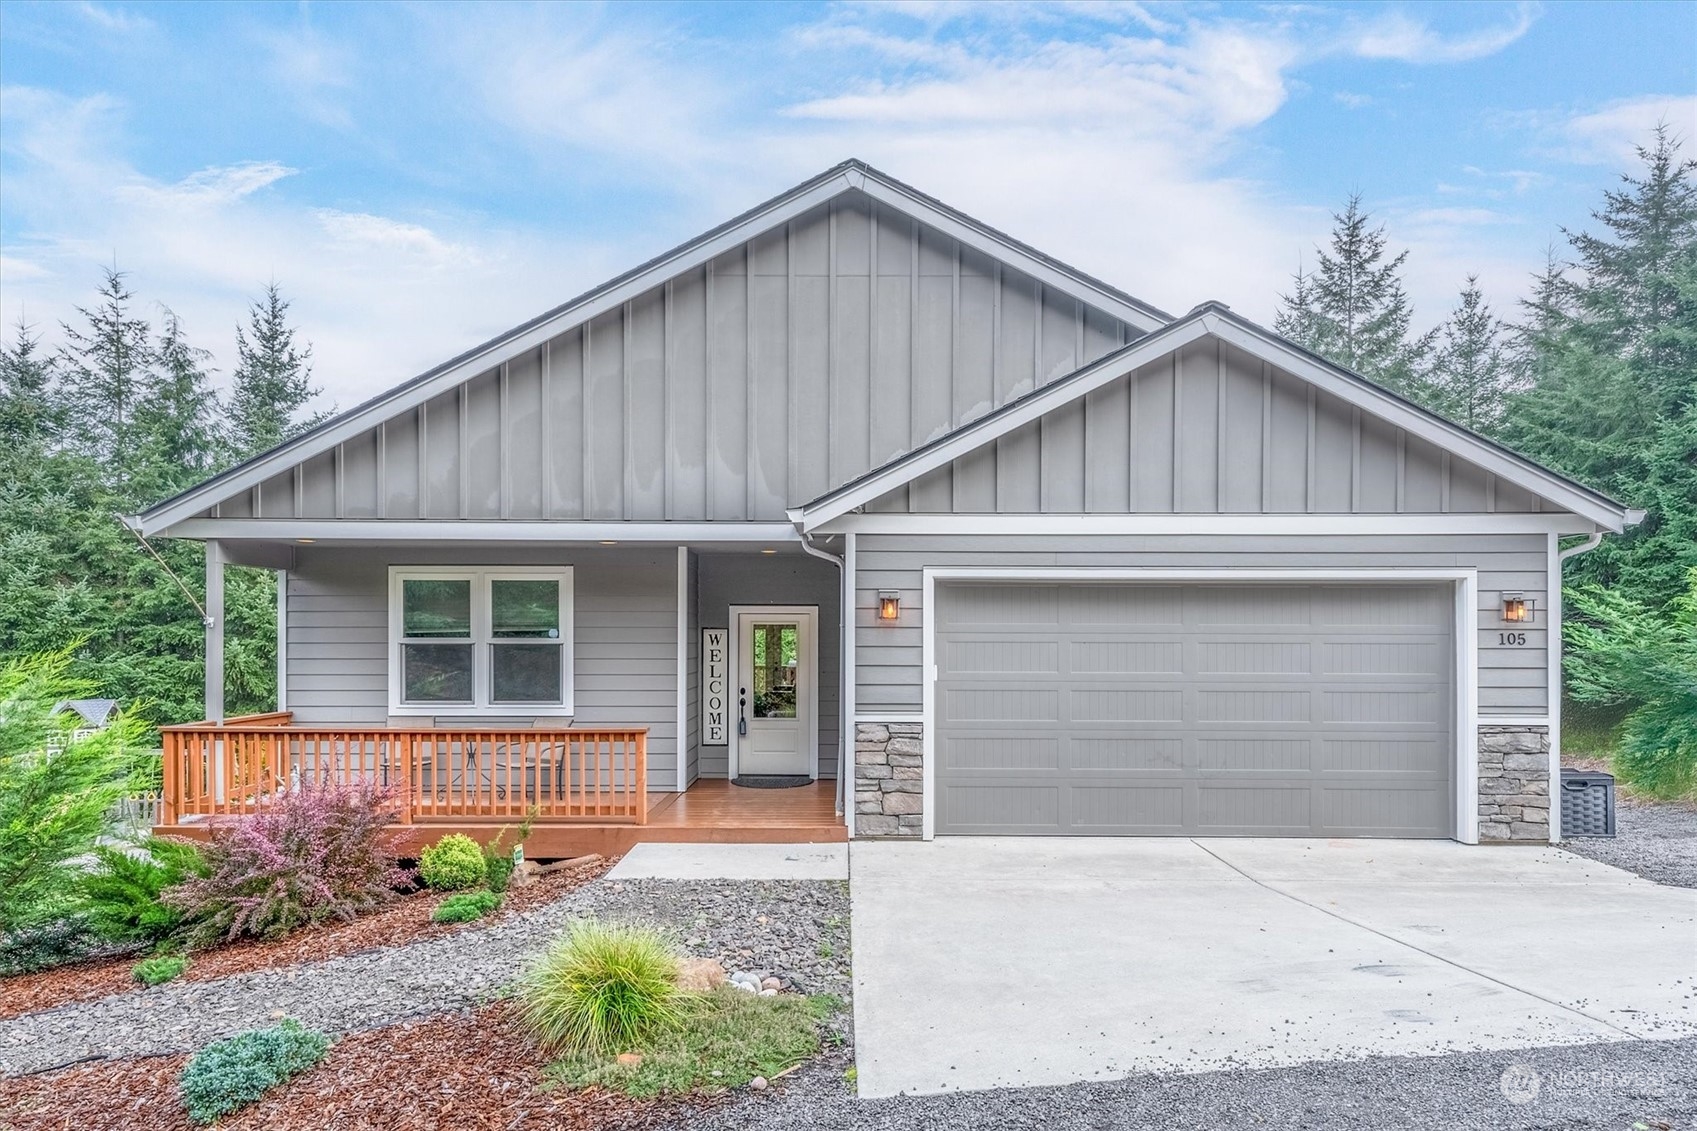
[889, 604]
[1516, 608]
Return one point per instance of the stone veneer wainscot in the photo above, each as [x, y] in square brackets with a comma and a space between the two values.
[889, 787]
[1514, 784]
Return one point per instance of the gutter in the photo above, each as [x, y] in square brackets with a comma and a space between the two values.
[845, 626]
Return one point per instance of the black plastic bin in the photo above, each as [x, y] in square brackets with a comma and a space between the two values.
[1587, 803]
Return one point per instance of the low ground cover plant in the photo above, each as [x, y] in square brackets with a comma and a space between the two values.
[464, 906]
[122, 892]
[317, 853]
[230, 1074]
[600, 989]
[452, 864]
[159, 969]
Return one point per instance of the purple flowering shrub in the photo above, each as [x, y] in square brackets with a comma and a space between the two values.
[317, 853]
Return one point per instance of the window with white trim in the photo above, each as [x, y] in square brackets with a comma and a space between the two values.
[479, 640]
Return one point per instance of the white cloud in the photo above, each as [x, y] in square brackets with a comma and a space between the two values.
[1609, 135]
[113, 19]
[1352, 100]
[1397, 35]
[381, 297]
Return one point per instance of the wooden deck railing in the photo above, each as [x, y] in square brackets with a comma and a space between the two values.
[440, 773]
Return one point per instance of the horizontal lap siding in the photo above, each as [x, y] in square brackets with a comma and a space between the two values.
[625, 640]
[1512, 680]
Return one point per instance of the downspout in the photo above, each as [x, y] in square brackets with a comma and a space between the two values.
[1557, 557]
[845, 625]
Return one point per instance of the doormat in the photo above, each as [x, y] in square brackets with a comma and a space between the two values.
[773, 781]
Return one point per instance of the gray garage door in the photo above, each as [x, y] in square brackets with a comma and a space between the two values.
[1113, 709]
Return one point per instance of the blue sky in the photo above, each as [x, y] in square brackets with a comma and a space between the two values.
[421, 177]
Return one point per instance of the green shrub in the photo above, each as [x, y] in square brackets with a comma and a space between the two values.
[463, 907]
[452, 863]
[158, 970]
[56, 790]
[723, 1039]
[1621, 652]
[600, 989]
[122, 892]
[63, 940]
[230, 1074]
[499, 862]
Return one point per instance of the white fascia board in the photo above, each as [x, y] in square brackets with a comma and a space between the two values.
[1427, 427]
[380, 530]
[1211, 524]
[1001, 422]
[989, 243]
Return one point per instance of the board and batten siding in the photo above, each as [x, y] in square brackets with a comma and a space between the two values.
[1513, 680]
[625, 635]
[769, 376]
[1208, 430]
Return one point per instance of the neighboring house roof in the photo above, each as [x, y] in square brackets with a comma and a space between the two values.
[95, 712]
[1218, 320]
[850, 176]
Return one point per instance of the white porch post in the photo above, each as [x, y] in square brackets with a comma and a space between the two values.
[214, 632]
[282, 640]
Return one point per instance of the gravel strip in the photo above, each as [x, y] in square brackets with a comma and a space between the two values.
[1656, 841]
[774, 927]
[1648, 1084]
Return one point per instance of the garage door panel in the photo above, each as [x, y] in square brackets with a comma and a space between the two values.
[1110, 705]
[1413, 656]
[1250, 810]
[1253, 657]
[1116, 808]
[1253, 705]
[1205, 709]
[1017, 806]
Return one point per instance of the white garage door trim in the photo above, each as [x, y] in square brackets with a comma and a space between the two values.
[1466, 582]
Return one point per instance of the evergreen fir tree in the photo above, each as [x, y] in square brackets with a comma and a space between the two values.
[29, 415]
[272, 380]
[103, 366]
[175, 418]
[1470, 379]
[1353, 310]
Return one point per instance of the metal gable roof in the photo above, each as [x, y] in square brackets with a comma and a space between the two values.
[851, 175]
[1216, 319]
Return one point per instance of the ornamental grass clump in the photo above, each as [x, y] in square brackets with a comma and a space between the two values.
[451, 864]
[319, 852]
[230, 1074]
[601, 989]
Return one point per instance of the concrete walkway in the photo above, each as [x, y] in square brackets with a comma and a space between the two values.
[733, 862]
[994, 962]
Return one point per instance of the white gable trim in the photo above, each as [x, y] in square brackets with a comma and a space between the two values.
[1217, 321]
[851, 175]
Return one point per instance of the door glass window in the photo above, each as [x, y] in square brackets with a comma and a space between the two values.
[776, 651]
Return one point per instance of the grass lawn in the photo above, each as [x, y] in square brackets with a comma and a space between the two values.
[724, 1039]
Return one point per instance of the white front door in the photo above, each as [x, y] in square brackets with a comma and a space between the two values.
[777, 677]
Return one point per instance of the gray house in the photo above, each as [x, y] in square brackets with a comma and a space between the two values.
[858, 491]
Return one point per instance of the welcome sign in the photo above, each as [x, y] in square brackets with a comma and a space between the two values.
[715, 692]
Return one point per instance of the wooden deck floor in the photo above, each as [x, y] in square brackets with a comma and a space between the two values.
[712, 811]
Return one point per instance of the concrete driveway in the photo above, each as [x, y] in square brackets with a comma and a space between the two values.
[997, 962]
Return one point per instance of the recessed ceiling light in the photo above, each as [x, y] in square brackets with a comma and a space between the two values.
[305, 541]
[609, 541]
[768, 551]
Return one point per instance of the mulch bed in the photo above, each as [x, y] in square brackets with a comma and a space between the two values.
[404, 921]
[476, 1070]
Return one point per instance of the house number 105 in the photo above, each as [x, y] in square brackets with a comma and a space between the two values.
[1513, 639]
